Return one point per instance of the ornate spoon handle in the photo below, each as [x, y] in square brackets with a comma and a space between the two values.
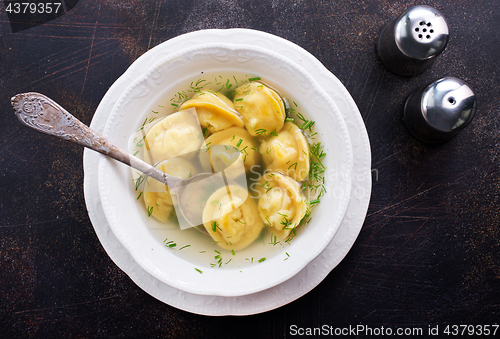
[43, 114]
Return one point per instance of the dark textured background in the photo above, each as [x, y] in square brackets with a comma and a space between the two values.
[428, 252]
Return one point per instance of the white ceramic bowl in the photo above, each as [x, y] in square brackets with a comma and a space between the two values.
[142, 236]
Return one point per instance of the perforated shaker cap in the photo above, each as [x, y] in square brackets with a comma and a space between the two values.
[448, 104]
[439, 111]
[421, 32]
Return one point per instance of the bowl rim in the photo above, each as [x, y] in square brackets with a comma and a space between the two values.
[325, 240]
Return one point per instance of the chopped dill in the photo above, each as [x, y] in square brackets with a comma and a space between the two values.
[306, 124]
[215, 226]
[140, 143]
[317, 169]
[274, 241]
[198, 270]
[169, 244]
[199, 85]
[261, 131]
[287, 224]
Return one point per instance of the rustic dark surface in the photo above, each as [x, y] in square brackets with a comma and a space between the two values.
[429, 250]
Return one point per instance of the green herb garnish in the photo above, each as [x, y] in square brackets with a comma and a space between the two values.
[261, 131]
[274, 241]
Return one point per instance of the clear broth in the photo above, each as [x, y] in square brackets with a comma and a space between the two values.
[192, 245]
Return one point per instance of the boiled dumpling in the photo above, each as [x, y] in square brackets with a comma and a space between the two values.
[261, 107]
[281, 203]
[215, 111]
[237, 137]
[156, 195]
[287, 153]
[232, 220]
[176, 134]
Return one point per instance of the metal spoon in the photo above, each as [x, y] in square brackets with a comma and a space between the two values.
[43, 114]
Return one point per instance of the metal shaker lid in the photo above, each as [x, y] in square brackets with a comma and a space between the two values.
[421, 32]
[448, 104]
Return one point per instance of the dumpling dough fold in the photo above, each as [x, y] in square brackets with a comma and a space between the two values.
[239, 138]
[281, 203]
[215, 111]
[287, 153]
[176, 134]
[232, 219]
[261, 108]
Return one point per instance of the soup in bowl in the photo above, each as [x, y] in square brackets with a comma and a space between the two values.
[282, 194]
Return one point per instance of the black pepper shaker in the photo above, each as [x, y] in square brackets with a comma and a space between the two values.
[410, 43]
